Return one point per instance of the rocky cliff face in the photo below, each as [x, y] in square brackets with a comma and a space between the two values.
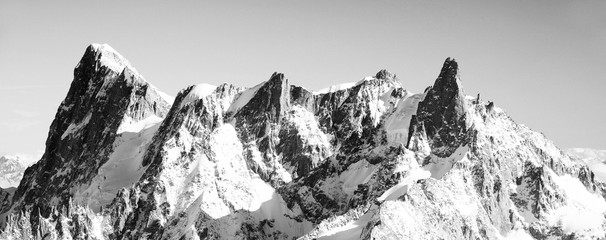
[368, 160]
[106, 96]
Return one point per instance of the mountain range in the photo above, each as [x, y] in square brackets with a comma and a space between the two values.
[362, 160]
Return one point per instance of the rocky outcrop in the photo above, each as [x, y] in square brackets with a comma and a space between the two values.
[442, 113]
[106, 93]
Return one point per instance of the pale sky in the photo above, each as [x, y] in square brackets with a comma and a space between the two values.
[541, 61]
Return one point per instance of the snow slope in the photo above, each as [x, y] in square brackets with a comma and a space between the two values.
[199, 91]
[468, 170]
[243, 98]
[398, 123]
[123, 169]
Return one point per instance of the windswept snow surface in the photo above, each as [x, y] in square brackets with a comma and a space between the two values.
[412, 172]
[594, 159]
[216, 183]
[199, 91]
[123, 168]
[440, 166]
[135, 127]
[75, 127]
[518, 234]
[335, 88]
[351, 230]
[357, 173]
[110, 58]
[402, 188]
[342, 86]
[583, 213]
[243, 98]
[397, 125]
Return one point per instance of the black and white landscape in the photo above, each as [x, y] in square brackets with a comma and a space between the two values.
[361, 160]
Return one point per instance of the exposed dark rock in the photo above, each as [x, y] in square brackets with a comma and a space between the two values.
[443, 111]
[300, 96]
[85, 127]
[385, 75]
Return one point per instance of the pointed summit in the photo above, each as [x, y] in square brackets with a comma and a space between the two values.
[105, 55]
[106, 98]
[276, 76]
[448, 79]
[385, 75]
[442, 113]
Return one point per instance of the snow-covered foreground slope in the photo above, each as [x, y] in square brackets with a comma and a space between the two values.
[367, 160]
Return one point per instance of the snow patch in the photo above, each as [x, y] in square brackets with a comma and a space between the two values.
[199, 91]
[402, 188]
[351, 230]
[518, 234]
[124, 168]
[357, 173]
[243, 98]
[440, 166]
[335, 88]
[129, 126]
[110, 58]
[342, 86]
[397, 124]
[583, 212]
[74, 127]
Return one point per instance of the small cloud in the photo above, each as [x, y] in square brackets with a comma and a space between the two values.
[18, 126]
[24, 113]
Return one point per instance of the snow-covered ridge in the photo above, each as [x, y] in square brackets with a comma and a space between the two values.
[244, 97]
[197, 92]
[109, 57]
[224, 169]
[342, 86]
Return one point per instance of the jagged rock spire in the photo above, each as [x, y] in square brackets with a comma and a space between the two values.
[443, 111]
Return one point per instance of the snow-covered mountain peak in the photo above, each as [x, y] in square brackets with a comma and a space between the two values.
[197, 92]
[11, 171]
[103, 55]
[367, 160]
[110, 58]
[384, 74]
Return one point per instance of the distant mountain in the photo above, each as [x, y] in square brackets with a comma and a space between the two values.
[593, 158]
[11, 170]
[363, 160]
